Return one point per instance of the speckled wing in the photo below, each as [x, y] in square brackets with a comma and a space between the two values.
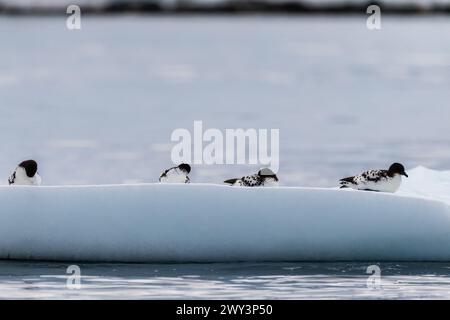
[251, 181]
[371, 176]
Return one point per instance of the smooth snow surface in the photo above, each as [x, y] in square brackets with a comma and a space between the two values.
[210, 223]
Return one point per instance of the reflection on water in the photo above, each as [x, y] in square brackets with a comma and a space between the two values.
[226, 281]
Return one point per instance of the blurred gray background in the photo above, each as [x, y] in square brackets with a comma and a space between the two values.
[98, 105]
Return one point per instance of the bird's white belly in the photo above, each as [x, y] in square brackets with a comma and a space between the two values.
[22, 182]
[22, 179]
[174, 178]
[271, 183]
[384, 185]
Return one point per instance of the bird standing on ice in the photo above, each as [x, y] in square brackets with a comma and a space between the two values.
[176, 174]
[25, 174]
[264, 178]
[377, 180]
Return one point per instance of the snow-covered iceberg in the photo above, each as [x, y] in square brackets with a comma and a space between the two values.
[210, 223]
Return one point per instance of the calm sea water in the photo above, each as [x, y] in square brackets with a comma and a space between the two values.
[32, 280]
[99, 105]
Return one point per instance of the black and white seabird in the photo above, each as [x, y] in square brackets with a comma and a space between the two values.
[264, 178]
[377, 180]
[177, 174]
[25, 174]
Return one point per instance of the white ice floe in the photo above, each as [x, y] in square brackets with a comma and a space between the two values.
[201, 222]
[424, 182]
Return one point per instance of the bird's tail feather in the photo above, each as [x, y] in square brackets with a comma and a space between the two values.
[346, 182]
[231, 181]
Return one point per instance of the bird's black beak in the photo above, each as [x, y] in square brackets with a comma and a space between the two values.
[276, 178]
[404, 173]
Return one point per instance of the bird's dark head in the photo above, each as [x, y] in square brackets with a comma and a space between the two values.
[397, 168]
[267, 173]
[30, 167]
[185, 167]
